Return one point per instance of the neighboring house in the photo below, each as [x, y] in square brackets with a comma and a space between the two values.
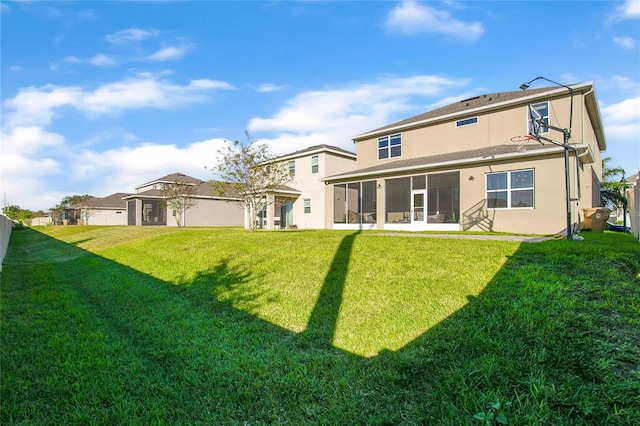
[305, 200]
[456, 168]
[110, 210]
[41, 220]
[147, 206]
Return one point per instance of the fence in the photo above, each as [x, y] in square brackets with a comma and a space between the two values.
[6, 225]
[633, 195]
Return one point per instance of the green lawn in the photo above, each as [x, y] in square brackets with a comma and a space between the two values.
[132, 325]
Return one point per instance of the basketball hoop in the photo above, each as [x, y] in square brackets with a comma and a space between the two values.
[521, 141]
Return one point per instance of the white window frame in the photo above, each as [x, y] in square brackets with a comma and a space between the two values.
[467, 122]
[306, 205]
[389, 145]
[545, 128]
[509, 190]
[292, 167]
[315, 164]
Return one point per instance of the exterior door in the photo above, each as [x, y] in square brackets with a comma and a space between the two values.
[286, 214]
[418, 207]
[283, 215]
[289, 216]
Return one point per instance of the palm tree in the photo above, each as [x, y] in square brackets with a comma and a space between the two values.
[613, 190]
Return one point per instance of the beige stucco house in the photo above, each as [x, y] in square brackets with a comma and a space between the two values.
[147, 207]
[303, 203]
[456, 167]
[110, 210]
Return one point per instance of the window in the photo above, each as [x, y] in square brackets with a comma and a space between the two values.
[307, 205]
[510, 190]
[467, 122]
[153, 213]
[398, 199]
[292, 167]
[354, 202]
[540, 111]
[314, 164]
[443, 198]
[389, 146]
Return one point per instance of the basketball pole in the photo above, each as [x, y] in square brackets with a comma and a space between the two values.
[566, 132]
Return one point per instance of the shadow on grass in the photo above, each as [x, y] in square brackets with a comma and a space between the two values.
[89, 341]
[324, 316]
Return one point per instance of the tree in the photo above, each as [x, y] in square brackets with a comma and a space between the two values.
[86, 207]
[180, 197]
[613, 189]
[14, 212]
[59, 212]
[249, 177]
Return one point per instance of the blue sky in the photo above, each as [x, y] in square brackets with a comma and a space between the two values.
[99, 97]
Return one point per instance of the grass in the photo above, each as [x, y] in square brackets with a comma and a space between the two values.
[104, 325]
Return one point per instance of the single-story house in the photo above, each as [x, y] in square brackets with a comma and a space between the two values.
[110, 210]
[148, 206]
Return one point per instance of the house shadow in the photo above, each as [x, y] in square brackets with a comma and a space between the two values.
[227, 366]
[323, 320]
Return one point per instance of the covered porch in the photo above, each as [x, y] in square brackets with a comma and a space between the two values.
[277, 210]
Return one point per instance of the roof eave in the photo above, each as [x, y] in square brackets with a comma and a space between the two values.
[299, 154]
[593, 109]
[441, 164]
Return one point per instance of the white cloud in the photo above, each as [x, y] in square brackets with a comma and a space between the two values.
[73, 59]
[168, 54]
[334, 115]
[146, 91]
[630, 9]
[14, 68]
[32, 156]
[27, 140]
[411, 17]
[625, 42]
[268, 88]
[131, 34]
[101, 60]
[625, 83]
[122, 169]
[23, 175]
[36, 106]
[622, 120]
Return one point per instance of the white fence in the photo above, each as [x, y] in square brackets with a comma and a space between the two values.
[633, 195]
[6, 225]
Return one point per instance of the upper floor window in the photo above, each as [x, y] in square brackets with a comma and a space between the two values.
[292, 167]
[314, 164]
[467, 122]
[510, 190]
[389, 146]
[540, 112]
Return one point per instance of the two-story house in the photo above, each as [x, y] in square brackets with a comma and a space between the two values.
[456, 167]
[306, 198]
